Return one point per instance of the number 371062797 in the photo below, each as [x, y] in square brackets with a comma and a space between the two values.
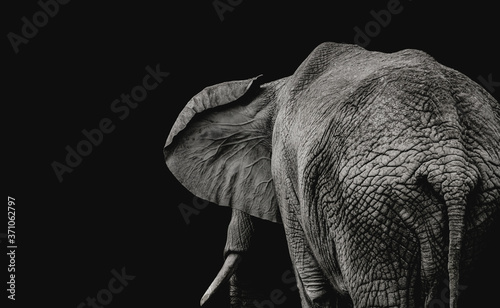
[11, 214]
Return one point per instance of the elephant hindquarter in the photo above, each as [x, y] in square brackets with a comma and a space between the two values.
[405, 180]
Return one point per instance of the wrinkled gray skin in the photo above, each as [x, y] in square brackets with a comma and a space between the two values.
[384, 169]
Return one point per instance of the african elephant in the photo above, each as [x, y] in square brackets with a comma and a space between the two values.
[383, 168]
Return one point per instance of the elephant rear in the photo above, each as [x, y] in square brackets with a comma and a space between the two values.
[406, 179]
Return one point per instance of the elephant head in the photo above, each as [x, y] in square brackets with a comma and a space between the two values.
[220, 149]
[384, 170]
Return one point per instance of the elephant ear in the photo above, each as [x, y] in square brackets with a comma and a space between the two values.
[219, 148]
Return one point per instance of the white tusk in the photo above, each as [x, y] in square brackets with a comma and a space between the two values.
[227, 270]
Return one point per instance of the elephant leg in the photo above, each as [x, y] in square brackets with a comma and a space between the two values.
[313, 286]
[379, 257]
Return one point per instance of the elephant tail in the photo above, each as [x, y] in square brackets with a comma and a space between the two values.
[455, 205]
[454, 179]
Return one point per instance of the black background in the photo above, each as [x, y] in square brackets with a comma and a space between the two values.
[119, 207]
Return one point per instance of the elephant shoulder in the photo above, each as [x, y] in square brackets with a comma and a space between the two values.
[320, 61]
[339, 62]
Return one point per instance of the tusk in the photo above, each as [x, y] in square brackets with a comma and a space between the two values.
[227, 270]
